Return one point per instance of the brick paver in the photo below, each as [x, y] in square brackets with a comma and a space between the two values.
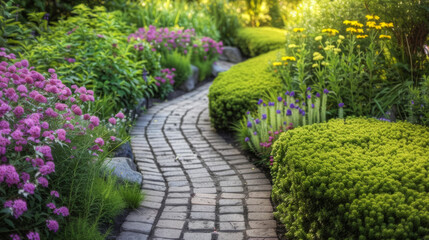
[197, 186]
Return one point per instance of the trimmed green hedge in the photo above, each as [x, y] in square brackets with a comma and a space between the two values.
[236, 91]
[353, 179]
[256, 41]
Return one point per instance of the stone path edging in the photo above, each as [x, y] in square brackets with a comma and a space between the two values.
[197, 186]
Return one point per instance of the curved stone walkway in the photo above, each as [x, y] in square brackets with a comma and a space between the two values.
[197, 186]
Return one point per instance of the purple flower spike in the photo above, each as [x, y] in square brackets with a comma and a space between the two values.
[255, 133]
[340, 105]
[309, 89]
[265, 105]
[248, 112]
[297, 101]
[292, 94]
[264, 116]
[257, 121]
[292, 105]
[317, 94]
[412, 102]
[271, 104]
[288, 112]
[312, 105]
[284, 123]
[246, 139]
[309, 96]
[249, 124]
[278, 111]
[303, 113]
[287, 93]
[326, 91]
[279, 99]
[260, 101]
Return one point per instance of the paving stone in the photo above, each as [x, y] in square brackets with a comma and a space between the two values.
[258, 208]
[167, 233]
[136, 227]
[132, 236]
[231, 209]
[174, 215]
[230, 236]
[170, 224]
[258, 201]
[205, 190]
[203, 201]
[263, 224]
[232, 189]
[260, 216]
[154, 205]
[232, 195]
[145, 215]
[201, 225]
[259, 188]
[230, 202]
[264, 233]
[197, 236]
[231, 217]
[176, 201]
[203, 208]
[260, 194]
[175, 209]
[232, 226]
[153, 198]
[203, 215]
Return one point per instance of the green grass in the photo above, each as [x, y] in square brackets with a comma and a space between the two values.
[131, 194]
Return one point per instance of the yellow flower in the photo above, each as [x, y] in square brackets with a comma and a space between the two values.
[360, 30]
[292, 46]
[298, 29]
[275, 64]
[285, 63]
[369, 17]
[337, 50]
[341, 37]
[378, 27]
[376, 17]
[318, 38]
[390, 24]
[352, 30]
[325, 63]
[288, 58]
[361, 36]
[315, 65]
[346, 22]
[385, 36]
[371, 24]
[317, 56]
[329, 47]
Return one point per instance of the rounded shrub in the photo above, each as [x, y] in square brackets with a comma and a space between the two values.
[234, 92]
[256, 41]
[353, 179]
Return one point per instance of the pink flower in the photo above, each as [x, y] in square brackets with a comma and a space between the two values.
[51, 70]
[86, 116]
[112, 120]
[29, 187]
[19, 207]
[48, 168]
[60, 106]
[55, 194]
[61, 133]
[40, 98]
[113, 138]
[9, 175]
[43, 181]
[17, 134]
[77, 111]
[22, 89]
[99, 141]
[45, 125]
[33, 236]
[52, 225]
[34, 131]
[51, 205]
[95, 121]
[18, 111]
[120, 115]
[63, 211]
[51, 113]
[14, 236]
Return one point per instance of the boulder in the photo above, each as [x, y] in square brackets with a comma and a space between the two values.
[221, 66]
[125, 150]
[231, 54]
[120, 167]
[192, 80]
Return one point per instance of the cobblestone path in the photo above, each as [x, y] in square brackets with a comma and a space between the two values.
[197, 186]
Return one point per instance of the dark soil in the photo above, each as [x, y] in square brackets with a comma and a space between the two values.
[114, 228]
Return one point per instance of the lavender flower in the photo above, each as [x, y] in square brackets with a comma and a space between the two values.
[246, 139]
[257, 121]
[317, 94]
[288, 112]
[340, 105]
[326, 91]
[309, 96]
[264, 116]
[292, 105]
[278, 111]
[292, 94]
[297, 101]
[279, 99]
[271, 104]
[248, 112]
[260, 101]
[249, 124]
[255, 133]
[309, 89]
[287, 93]
[312, 105]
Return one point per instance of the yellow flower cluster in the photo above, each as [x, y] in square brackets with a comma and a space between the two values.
[318, 38]
[331, 31]
[292, 46]
[288, 58]
[354, 30]
[385, 36]
[298, 29]
[369, 17]
[353, 23]
[317, 56]
[373, 24]
[361, 36]
[275, 64]
[329, 47]
[384, 24]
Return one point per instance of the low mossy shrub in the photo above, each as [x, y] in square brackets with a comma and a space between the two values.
[256, 41]
[353, 179]
[234, 92]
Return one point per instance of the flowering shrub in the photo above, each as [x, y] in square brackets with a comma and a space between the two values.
[38, 114]
[165, 82]
[352, 179]
[259, 130]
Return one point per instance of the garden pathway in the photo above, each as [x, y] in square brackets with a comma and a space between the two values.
[197, 186]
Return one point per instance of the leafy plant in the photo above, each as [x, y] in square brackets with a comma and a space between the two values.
[181, 64]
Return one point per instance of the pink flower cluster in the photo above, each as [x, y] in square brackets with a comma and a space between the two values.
[163, 38]
[36, 113]
[167, 76]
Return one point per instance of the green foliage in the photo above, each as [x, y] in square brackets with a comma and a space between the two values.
[256, 41]
[170, 13]
[353, 179]
[13, 34]
[91, 49]
[418, 103]
[131, 194]
[234, 91]
[226, 20]
[204, 68]
[181, 63]
[81, 229]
